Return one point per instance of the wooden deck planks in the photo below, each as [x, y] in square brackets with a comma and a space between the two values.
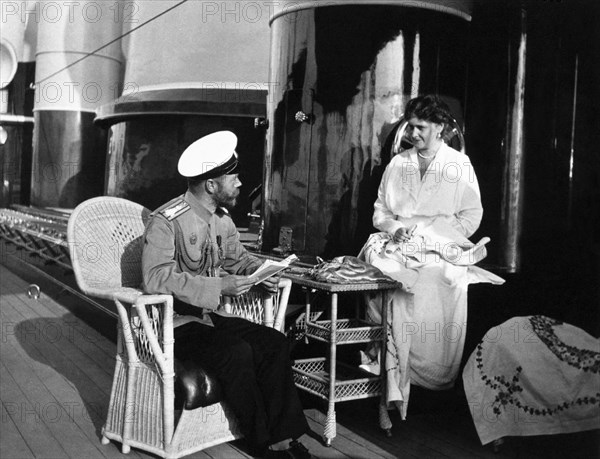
[79, 333]
[60, 350]
[70, 391]
[35, 414]
[12, 444]
[44, 366]
[56, 378]
[69, 367]
[442, 439]
[56, 374]
[346, 444]
[15, 428]
[222, 451]
[54, 358]
[47, 339]
[361, 422]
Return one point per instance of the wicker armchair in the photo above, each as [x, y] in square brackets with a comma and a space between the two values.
[104, 237]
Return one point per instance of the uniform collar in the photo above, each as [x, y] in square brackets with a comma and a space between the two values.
[198, 208]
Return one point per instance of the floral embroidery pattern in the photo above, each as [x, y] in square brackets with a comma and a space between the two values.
[584, 359]
[507, 390]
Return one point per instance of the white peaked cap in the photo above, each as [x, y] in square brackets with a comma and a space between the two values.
[210, 156]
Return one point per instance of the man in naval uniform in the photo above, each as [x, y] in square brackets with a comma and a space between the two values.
[192, 251]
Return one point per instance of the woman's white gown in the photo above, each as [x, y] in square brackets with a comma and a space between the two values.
[428, 317]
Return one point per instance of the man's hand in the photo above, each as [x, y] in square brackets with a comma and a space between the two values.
[235, 285]
[270, 285]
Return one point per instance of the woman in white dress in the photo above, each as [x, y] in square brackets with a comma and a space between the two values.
[428, 205]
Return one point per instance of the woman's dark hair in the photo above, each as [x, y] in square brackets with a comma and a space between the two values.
[429, 108]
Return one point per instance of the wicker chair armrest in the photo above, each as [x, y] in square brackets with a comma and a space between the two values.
[268, 305]
[285, 287]
[95, 292]
[137, 296]
[127, 295]
[156, 299]
[124, 299]
[163, 355]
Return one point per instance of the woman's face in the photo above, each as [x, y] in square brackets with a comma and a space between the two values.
[424, 135]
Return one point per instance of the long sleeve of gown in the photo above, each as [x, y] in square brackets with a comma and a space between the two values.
[470, 211]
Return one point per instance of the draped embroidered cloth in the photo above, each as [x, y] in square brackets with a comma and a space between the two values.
[534, 376]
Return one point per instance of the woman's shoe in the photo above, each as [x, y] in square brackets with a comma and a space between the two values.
[366, 364]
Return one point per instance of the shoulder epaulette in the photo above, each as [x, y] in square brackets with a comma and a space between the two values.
[175, 209]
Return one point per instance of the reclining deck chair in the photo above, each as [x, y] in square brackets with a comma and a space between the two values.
[105, 242]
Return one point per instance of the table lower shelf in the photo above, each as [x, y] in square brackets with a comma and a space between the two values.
[348, 331]
[352, 383]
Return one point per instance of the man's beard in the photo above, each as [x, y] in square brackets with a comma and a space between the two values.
[225, 200]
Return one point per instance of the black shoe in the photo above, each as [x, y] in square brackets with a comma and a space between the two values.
[298, 451]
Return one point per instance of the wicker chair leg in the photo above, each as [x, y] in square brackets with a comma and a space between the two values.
[105, 441]
[125, 448]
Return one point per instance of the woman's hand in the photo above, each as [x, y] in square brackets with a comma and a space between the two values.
[404, 234]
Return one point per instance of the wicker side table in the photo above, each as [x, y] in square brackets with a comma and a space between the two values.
[335, 381]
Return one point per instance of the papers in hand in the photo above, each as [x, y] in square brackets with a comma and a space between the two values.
[271, 267]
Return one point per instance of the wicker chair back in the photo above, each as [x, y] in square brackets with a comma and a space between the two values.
[105, 243]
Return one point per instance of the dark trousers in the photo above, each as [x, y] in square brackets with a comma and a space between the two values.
[252, 364]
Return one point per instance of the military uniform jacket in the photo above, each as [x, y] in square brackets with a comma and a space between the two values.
[186, 247]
